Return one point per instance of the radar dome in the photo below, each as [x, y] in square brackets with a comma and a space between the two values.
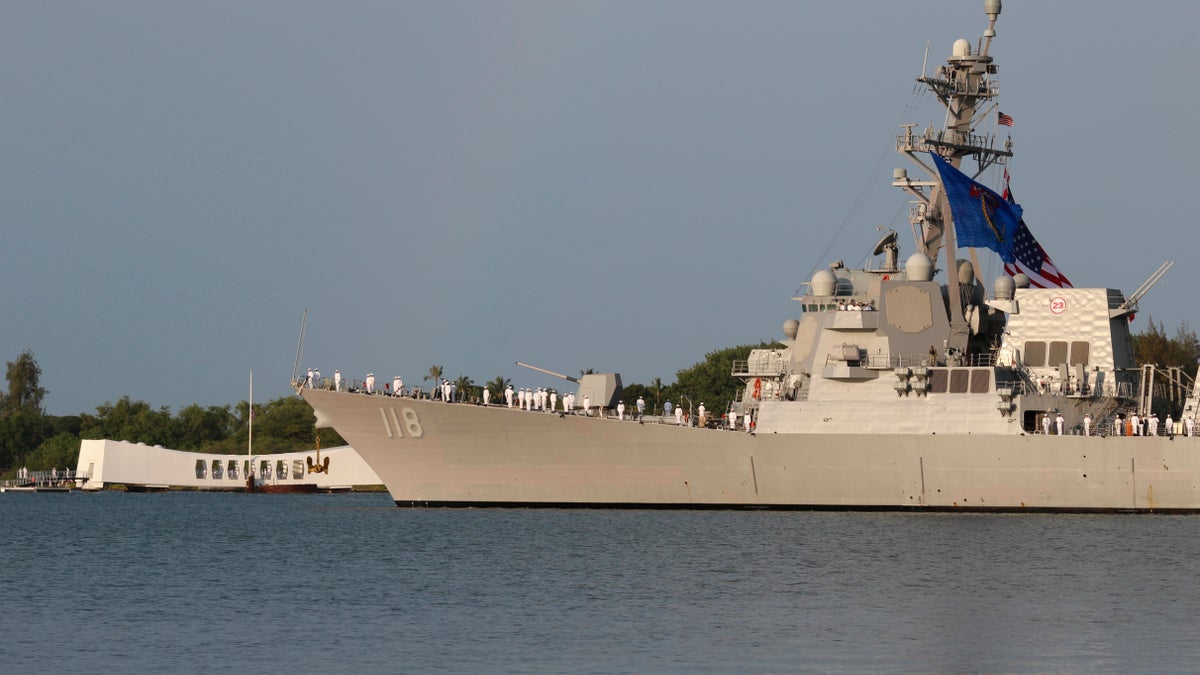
[962, 47]
[918, 267]
[1004, 287]
[966, 272]
[790, 328]
[1021, 280]
[823, 283]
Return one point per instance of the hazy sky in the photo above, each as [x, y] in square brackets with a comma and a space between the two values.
[598, 184]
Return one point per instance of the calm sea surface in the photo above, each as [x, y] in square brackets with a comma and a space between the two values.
[232, 582]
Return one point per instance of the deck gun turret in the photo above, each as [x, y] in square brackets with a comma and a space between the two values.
[603, 389]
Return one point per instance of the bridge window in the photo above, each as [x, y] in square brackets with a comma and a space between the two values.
[280, 470]
[232, 471]
[1058, 353]
[938, 379]
[217, 473]
[1035, 354]
[958, 381]
[297, 469]
[201, 469]
[1079, 353]
[981, 381]
[264, 470]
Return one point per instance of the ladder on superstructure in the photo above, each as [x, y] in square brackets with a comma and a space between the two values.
[1146, 389]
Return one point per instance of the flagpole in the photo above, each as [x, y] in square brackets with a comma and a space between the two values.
[250, 415]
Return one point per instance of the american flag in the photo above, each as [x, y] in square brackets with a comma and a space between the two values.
[1032, 260]
[1004, 120]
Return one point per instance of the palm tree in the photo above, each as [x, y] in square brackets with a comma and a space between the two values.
[497, 386]
[435, 373]
[657, 387]
[465, 387]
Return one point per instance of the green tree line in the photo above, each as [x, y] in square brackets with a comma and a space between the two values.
[1154, 346]
[31, 438]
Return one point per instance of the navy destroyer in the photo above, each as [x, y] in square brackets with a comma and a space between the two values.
[892, 390]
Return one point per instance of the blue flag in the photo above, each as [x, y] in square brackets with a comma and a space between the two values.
[982, 218]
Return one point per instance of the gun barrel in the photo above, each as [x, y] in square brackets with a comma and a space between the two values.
[568, 378]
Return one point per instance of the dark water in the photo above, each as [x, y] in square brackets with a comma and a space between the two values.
[229, 582]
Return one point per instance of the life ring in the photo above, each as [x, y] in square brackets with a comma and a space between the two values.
[757, 388]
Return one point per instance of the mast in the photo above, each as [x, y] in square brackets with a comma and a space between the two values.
[962, 86]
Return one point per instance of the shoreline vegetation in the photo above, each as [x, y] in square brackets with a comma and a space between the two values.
[32, 439]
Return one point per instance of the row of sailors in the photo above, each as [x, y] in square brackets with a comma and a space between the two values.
[1122, 426]
[540, 399]
[446, 390]
[313, 380]
[536, 399]
[396, 387]
[1148, 426]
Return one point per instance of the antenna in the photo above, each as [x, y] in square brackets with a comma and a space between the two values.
[300, 347]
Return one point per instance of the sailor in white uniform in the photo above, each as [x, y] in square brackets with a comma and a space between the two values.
[1170, 424]
[1189, 425]
[397, 385]
[553, 400]
[1058, 424]
[621, 410]
[487, 396]
[1046, 424]
[309, 382]
[337, 380]
[317, 377]
[641, 406]
[1087, 425]
[587, 405]
[508, 395]
[679, 415]
[370, 383]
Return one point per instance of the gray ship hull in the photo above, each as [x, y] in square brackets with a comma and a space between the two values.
[430, 453]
